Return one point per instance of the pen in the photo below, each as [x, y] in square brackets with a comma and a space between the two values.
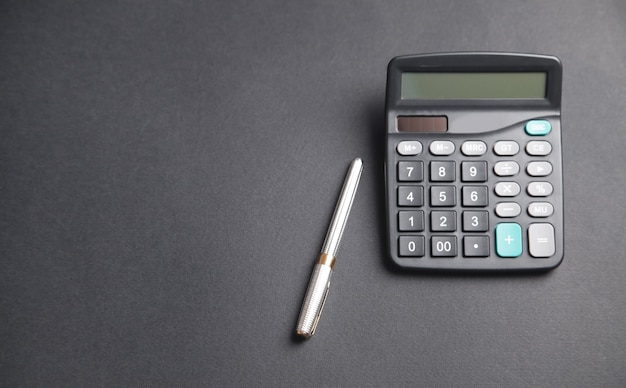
[319, 284]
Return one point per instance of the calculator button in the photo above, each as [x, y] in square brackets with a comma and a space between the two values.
[475, 221]
[540, 209]
[541, 240]
[508, 209]
[411, 246]
[442, 196]
[441, 147]
[539, 168]
[410, 196]
[442, 172]
[506, 148]
[443, 246]
[475, 195]
[473, 148]
[443, 221]
[507, 189]
[539, 189]
[474, 171]
[508, 240]
[408, 148]
[538, 127]
[538, 148]
[410, 171]
[411, 221]
[508, 168]
[476, 246]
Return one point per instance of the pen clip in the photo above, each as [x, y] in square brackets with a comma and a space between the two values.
[319, 312]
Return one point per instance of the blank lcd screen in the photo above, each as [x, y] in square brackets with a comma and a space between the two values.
[416, 86]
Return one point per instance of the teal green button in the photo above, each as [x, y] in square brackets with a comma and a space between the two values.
[508, 239]
[538, 127]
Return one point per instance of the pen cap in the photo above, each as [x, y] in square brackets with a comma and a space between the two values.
[314, 300]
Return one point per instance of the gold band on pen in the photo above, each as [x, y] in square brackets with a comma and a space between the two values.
[327, 260]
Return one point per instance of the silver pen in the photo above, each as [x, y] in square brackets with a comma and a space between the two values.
[319, 284]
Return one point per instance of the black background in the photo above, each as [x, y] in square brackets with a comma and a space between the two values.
[168, 171]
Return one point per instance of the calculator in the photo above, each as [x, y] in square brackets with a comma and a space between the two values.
[473, 163]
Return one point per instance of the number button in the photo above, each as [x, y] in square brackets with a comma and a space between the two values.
[443, 221]
[443, 246]
[411, 246]
[442, 171]
[475, 196]
[474, 171]
[442, 196]
[411, 221]
[476, 246]
[410, 196]
[475, 221]
[410, 171]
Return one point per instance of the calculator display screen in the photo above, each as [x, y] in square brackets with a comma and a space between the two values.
[487, 85]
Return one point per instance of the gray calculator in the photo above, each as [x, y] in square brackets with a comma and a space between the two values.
[473, 161]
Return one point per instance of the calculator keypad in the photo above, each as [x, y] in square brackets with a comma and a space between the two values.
[488, 199]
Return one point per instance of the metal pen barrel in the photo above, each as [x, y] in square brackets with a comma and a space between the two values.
[342, 210]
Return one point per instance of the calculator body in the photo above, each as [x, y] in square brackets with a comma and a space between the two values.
[473, 163]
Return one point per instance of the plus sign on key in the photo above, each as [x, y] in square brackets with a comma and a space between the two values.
[508, 239]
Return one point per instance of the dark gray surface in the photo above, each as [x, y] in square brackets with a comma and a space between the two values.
[168, 171]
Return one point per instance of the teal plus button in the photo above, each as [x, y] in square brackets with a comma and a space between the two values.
[538, 127]
[508, 239]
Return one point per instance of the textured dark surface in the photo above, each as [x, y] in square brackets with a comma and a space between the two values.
[168, 171]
